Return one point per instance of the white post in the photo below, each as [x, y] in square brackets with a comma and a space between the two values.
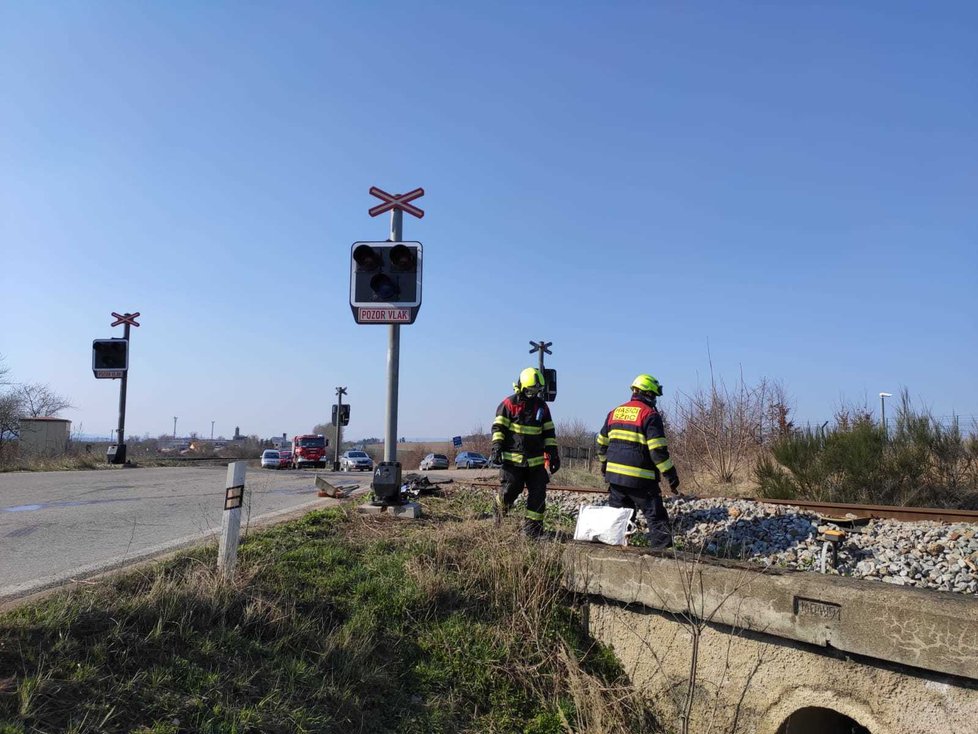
[227, 552]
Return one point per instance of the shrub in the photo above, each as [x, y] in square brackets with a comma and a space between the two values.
[919, 463]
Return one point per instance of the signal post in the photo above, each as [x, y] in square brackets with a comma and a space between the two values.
[110, 360]
[385, 288]
[341, 417]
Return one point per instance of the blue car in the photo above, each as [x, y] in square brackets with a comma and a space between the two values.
[471, 460]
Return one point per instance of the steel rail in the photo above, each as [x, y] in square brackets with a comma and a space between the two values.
[839, 510]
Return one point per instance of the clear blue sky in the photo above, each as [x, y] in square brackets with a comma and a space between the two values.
[794, 184]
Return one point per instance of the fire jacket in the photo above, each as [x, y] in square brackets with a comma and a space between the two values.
[523, 429]
[632, 446]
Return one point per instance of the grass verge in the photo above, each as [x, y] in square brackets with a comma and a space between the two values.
[336, 622]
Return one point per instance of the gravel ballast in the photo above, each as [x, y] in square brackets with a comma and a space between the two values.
[926, 554]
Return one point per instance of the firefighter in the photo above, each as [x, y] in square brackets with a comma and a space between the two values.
[522, 432]
[634, 456]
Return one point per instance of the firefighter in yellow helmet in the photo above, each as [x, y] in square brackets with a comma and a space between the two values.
[522, 432]
[634, 457]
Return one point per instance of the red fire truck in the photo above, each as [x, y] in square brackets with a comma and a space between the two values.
[309, 449]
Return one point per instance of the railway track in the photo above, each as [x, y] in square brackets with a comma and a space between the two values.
[829, 510]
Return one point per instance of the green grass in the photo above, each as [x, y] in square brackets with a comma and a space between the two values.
[338, 622]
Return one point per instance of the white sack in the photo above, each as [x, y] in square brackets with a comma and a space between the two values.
[603, 524]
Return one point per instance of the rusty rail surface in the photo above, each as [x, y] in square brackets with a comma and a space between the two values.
[826, 509]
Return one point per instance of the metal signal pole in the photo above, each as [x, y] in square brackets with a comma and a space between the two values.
[340, 391]
[120, 451]
[393, 362]
[119, 454]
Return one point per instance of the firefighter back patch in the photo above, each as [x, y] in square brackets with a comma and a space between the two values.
[625, 414]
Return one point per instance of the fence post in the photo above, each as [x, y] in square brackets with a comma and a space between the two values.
[227, 552]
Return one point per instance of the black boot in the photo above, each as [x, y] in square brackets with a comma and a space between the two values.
[659, 535]
[533, 529]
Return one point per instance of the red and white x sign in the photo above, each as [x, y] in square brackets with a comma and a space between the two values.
[396, 201]
[125, 318]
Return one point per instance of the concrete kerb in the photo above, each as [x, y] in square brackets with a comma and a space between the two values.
[932, 630]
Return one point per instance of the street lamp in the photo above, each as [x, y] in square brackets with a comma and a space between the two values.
[883, 397]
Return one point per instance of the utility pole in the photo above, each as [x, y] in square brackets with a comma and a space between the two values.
[340, 392]
[883, 397]
[212, 430]
[174, 426]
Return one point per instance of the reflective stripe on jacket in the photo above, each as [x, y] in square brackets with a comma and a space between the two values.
[633, 443]
[523, 429]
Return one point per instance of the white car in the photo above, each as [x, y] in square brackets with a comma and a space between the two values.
[270, 459]
[355, 460]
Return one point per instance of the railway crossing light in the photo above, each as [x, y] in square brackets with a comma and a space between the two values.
[549, 384]
[344, 414]
[110, 358]
[385, 281]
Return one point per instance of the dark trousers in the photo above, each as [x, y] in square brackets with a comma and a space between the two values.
[512, 480]
[649, 503]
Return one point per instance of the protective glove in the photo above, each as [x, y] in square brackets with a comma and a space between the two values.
[673, 478]
[496, 455]
[554, 461]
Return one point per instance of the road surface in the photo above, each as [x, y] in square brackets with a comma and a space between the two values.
[58, 526]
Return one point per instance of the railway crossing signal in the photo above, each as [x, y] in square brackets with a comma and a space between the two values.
[110, 358]
[385, 282]
[396, 201]
[549, 375]
[344, 414]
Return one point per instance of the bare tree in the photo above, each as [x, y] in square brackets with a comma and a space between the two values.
[328, 430]
[10, 413]
[40, 400]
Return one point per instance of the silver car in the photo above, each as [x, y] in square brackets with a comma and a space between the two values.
[356, 460]
[269, 459]
[434, 461]
[470, 460]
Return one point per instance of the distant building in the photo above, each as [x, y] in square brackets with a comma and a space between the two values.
[280, 442]
[167, 445]
[44, 436]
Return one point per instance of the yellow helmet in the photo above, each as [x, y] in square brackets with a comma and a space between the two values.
[530, 381]
[647, 383]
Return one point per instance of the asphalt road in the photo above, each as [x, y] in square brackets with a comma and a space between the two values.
[59, 526]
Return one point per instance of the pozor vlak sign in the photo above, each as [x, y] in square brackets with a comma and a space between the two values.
[385, 282]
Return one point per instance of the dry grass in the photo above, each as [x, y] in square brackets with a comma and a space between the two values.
[338, 622]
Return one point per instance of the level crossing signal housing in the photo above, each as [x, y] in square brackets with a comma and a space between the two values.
[386, 274]
[344, 414]
[550, 385]
[110, 355]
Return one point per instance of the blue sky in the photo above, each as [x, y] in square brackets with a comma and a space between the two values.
[790, 186]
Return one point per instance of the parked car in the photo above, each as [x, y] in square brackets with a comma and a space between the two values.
[470, 460]
[269, 459]
[285, 459]
[356, 460]
[434, 461]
